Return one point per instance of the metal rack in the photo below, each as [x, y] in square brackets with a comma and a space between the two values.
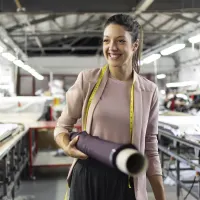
[13, 160]
[180, 150]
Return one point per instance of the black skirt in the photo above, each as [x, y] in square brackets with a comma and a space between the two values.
[92, 180]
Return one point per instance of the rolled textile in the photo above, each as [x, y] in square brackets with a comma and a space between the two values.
[124, 157]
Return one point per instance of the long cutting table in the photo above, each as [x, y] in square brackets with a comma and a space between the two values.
[179, 140]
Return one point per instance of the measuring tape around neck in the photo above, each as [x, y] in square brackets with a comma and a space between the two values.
[103, 70]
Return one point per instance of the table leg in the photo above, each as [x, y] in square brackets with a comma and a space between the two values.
[178, 187]
[36, 141]
[30, 146]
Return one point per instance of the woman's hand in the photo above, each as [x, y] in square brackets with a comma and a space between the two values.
[72, 151]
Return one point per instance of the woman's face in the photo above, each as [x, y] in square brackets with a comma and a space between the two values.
[118, 48]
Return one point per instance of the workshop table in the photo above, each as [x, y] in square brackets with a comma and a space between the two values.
[45, 158]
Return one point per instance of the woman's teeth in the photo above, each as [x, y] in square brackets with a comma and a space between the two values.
[114, 56]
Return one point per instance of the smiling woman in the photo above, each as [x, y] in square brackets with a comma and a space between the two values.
[122, 43]
[116, 104]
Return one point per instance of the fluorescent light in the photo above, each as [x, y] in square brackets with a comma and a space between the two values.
[26, 67]
[194, 39]
[19, 63]
[38, 76]
[172, 49]
[150, 58]
[182, 84]
[32, 72]
[8, 56]
[29, 69]
[161, 76]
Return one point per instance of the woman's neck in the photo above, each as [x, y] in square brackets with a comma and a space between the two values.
[124, 73]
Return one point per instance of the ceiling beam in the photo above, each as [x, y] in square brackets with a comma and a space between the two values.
[37, 39]
[34, 22]
[59, 42]
[176, 38]
[64, 48]
[11, 43]
[147, 22]
[95, 33]
[76, 40]
[80, 25]
[187, 19]
[57, 24]
[179, 26]
[163, 24]
[60, 33]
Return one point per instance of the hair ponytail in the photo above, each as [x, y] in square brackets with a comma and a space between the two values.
[138, 53]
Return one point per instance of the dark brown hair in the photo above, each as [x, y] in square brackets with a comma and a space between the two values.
[135, 30]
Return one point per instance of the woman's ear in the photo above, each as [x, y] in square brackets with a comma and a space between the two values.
[135, 46]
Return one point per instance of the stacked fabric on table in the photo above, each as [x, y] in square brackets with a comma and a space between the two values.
[181, 126]
[8, 129]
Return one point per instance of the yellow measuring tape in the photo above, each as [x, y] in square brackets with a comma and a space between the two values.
[95, 91]
[92, 96]
[131, 121]
[66, 194]
[103, 70]
[131, 106]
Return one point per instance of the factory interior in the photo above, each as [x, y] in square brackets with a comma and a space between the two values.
[44, 45]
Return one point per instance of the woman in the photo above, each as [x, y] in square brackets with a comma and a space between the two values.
[123, 109]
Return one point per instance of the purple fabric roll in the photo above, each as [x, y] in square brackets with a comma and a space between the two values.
[99, 149]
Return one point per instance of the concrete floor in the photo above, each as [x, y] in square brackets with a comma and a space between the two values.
[51, 186]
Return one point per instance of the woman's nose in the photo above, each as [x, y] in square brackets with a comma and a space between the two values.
[113, 46]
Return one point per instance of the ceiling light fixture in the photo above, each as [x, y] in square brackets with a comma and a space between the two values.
[181, 84]
[161, 76]
[172, 49]
[150, 59]
[33, 72]
[9, 56]
[29, 69]
[194, 39]
[19, 63]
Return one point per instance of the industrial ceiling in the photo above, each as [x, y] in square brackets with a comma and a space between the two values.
[49, 27]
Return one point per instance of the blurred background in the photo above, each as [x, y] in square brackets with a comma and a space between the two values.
[43, 47]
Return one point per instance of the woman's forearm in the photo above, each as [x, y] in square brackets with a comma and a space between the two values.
[157, 185]
[62, 140]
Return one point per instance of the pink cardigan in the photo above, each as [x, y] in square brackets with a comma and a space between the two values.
[145, 118]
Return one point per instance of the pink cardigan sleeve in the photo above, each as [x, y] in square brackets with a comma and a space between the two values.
[151, 143]
[73, 109]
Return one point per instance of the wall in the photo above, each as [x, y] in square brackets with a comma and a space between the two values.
[73, 65]
[189, 65]
[29, 86]
[7, 77]
[164, 65]
[65, 65]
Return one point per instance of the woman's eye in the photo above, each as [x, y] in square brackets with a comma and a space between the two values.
[106, 40]
[122, 41]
